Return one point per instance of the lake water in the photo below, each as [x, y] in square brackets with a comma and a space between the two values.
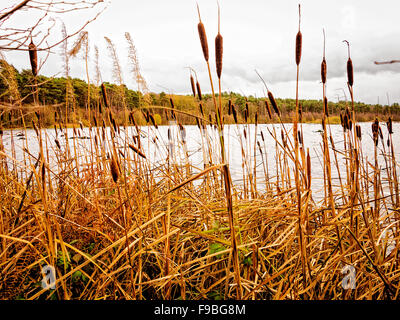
[157, 151]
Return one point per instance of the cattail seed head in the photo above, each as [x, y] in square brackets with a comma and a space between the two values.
[57, 143]
[348, 113]
[323, 71]
[267, 107]
[346, 120]
[229, 107]
[114, 168]
[326, 106]
[234, 114]
[273, 103]
[198, 90]
[203, 40]
[375, 131]
[134, 123]
[299, 40]
[201, 109]
[323, 124]
[114, 125]
[375, 126]
[110, 117]
[218, 54]
[390, 125]
[380, 132]
[104, 93]
[147, 116]
[358, 131]
[131, 119]
[350, 77]
[193, 86]
[300, 137]
[43, 173]
[153, 121]
[323, 64]
[33, 58]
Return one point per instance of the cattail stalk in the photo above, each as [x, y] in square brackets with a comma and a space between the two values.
[327, 159]
[226, 173]
[301, 219]
[353, 159]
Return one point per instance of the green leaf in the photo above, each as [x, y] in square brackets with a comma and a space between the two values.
[215, 295]
[216, 247]
[76, 276]
[247, 261]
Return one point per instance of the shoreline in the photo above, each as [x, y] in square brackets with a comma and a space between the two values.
[77, 126]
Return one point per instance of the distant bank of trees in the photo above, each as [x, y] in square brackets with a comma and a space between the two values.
[16, 91]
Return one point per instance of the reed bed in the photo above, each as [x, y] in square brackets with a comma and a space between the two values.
[116, 225]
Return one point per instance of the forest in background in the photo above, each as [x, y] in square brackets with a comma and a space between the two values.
[68, 97]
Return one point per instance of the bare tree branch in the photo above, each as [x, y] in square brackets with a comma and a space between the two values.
[16, 8]
[13, 38]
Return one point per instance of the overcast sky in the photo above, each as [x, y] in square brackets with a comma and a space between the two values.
[258, 34]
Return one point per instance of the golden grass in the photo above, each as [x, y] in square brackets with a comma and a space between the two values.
[116, 226]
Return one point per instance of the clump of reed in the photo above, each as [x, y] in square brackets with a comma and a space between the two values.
[121, 211]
